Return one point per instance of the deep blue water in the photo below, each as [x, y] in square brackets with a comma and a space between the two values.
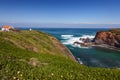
[95, 57]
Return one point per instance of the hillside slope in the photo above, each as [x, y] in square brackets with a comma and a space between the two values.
[37, 41]
[37, 56]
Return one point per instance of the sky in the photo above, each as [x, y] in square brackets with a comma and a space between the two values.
[59, 12]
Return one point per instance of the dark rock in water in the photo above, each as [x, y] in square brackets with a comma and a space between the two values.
[78, 59]
[108, 38]
[85, 44]
[85, 40]
[76, 42]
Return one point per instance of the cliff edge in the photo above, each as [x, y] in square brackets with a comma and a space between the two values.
[38, 42]
[110, 38]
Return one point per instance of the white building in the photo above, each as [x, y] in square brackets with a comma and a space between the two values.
[6, 28]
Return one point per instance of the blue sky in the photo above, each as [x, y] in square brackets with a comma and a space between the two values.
[60, 11]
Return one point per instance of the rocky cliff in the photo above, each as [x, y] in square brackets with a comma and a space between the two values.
[111, 38]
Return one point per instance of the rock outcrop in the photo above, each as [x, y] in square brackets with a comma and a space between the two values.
[84, 44]
[108, 38]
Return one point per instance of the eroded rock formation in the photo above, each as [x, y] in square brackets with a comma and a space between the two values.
[108, 38]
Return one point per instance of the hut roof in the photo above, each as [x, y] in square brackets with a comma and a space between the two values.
[6, 26]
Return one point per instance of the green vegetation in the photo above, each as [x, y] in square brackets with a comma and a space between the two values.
[34, 56]
[116, 31]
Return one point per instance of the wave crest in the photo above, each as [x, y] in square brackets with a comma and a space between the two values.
[66, 36]
[88, 36]
[70, 39]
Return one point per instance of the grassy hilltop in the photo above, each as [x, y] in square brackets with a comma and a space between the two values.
[34, 55]
[116, 31]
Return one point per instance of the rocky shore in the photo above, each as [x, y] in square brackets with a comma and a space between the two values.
[107, 39]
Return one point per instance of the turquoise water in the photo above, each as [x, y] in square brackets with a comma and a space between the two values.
[97, 57]
[94, 56]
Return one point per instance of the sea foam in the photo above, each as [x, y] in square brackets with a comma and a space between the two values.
[70, 39]
[66, 36]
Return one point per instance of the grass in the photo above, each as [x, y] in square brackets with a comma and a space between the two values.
[116, 31]
[14, 62]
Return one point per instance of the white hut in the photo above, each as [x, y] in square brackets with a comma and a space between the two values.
[6, 28]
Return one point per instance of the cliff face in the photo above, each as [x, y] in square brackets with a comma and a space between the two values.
[108, 38]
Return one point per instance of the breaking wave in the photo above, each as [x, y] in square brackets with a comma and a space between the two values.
[88, 36]
[79, 60]
[66, 36]
[70, 39]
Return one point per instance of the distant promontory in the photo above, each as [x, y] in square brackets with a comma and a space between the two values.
[107, 39]
[110, 38]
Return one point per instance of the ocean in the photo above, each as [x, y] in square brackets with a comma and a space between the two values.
[89, 56]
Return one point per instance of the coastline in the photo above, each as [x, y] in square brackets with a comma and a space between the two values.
[73, 57]
[107, 47]
[63, 48]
